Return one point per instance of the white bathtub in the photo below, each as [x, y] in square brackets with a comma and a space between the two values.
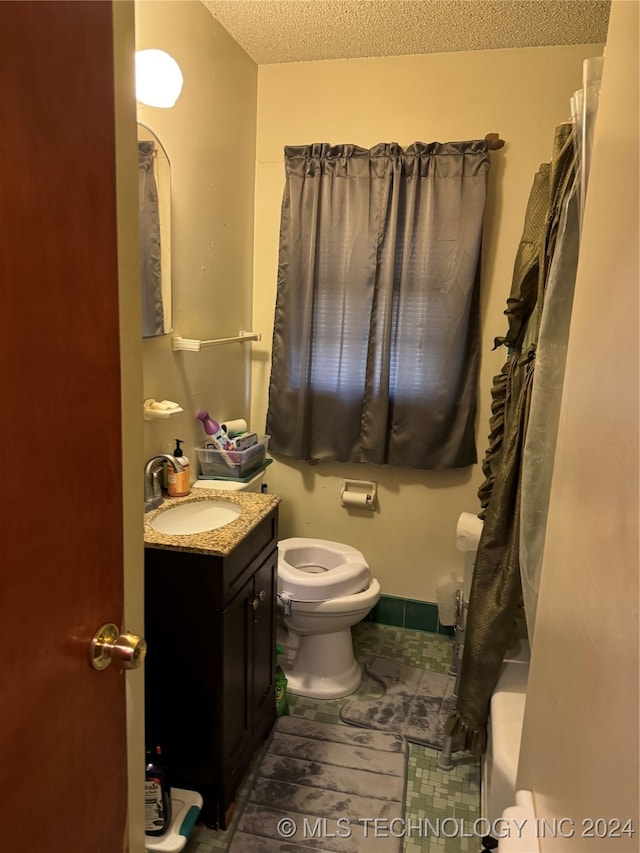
[500, 763]
[519, 825]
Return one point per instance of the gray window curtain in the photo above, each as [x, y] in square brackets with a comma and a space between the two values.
[376, 338]
[152, 310]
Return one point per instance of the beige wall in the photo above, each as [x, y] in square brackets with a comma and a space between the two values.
[579, 750]
[522, 94]
[209, 137]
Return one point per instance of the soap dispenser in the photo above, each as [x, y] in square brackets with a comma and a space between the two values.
[178, 480]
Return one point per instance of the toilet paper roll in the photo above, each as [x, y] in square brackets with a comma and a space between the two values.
[236, 427]
[468, 532]
[359, 499]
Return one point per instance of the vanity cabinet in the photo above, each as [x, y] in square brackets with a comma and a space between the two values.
[210, 665]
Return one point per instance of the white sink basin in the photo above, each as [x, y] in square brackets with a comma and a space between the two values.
[195, 517]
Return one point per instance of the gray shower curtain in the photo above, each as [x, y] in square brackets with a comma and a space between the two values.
[495, 602]
[150, 267]
[376, 339]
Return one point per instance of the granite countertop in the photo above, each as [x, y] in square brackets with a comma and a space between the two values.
[220, 541]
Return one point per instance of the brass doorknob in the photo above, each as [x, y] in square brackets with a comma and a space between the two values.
[108, 644]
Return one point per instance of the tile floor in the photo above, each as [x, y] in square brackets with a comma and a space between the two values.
[449, 801]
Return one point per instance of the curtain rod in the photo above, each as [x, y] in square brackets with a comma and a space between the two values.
[494, 141]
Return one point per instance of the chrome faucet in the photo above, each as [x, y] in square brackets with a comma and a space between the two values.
[152, 490]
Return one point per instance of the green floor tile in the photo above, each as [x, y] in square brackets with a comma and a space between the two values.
[431, 793]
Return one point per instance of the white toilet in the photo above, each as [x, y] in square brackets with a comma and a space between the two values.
[323, 589]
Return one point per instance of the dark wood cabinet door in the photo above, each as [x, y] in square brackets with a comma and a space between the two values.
[262, 697]
[248, 630]
[236, 682]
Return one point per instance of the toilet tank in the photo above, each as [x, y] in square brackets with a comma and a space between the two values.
[255, 484]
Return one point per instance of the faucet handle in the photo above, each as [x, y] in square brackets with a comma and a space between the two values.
[152, 490]
[155, 480]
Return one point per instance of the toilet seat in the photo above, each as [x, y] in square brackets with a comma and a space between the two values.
[319, 570]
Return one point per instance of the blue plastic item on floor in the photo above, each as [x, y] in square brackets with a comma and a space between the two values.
[185, 808]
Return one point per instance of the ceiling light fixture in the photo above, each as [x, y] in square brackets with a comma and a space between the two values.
[158, 78]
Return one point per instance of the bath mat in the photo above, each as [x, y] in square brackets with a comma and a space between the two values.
[316, 783]
[416, 703]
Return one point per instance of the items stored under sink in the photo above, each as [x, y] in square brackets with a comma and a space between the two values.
[185, 808]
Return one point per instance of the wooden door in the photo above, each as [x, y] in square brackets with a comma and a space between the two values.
[63, 784]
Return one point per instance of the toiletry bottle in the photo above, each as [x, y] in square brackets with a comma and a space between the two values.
[157, 794]
[215, 435]
[178, 480]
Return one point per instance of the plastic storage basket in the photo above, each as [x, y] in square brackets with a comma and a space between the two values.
[229, 464]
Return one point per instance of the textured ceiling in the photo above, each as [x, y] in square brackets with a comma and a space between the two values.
[302, 30]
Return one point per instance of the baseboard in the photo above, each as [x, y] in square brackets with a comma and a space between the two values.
[409, 613]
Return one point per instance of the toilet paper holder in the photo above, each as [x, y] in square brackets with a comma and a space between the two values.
[359, 494]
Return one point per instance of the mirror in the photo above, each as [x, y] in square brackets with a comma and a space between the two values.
[154, 197]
